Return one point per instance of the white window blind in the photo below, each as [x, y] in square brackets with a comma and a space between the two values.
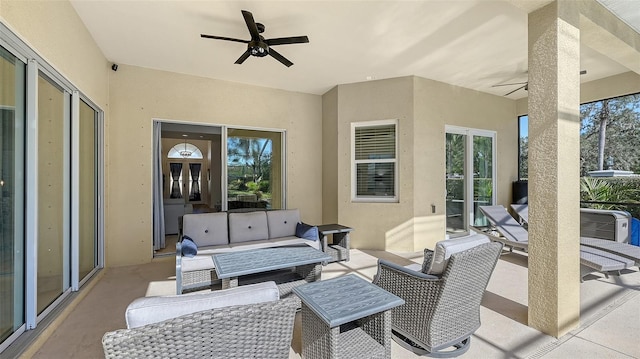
[374, 155]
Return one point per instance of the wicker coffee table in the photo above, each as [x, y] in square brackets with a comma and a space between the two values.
[305, 261]
[346, 317]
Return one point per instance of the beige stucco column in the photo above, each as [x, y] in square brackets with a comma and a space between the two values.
[554, 150]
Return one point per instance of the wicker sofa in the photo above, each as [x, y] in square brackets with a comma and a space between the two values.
[244, 322]
[225, 232]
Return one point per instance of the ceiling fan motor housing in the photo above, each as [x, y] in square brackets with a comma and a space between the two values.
[258, 48]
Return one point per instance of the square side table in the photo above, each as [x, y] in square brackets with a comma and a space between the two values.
[339, 246]
[346, 317]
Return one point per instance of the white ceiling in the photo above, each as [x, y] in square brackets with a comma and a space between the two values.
[470, 43]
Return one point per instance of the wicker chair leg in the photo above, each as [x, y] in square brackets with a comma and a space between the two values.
[407, 344]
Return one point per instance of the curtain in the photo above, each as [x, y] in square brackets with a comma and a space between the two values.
[176, 171]
[158, 186]
[194, 194]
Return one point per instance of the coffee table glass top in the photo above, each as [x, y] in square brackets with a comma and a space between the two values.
[234, 264]
[341, 300]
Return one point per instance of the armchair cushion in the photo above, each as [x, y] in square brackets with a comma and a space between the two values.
[307, 231]
[189, 247]
[148, 310]
[444, 250]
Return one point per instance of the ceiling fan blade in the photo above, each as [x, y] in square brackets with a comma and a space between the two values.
[243, 57]
[251, 25]
[511, 84]
[223, 38]
[287, 40]
[280, 58]
[519, 88]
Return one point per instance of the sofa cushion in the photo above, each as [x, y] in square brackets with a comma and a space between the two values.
[188, 246]
[294, 241]
[444, 250]
[250, 226]
[206, 229]
[148, 310]
[282, 223]
[307, 231]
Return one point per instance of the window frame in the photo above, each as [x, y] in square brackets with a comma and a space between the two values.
[354, 163]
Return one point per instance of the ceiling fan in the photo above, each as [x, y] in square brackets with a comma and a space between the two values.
[258, 45]
[525, 85]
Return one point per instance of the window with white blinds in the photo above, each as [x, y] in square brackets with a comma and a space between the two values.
[374, 174]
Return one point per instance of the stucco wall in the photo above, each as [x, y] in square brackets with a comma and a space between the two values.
[330, 156]
[438, 104]
[422, 107]
[372, 101]
[138, 95]
[54, 30]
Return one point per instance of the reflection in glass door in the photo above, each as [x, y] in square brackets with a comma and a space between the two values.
[470, 158]
[455, 173]
[12, 237]
[53, 185]
[88, 191]
[483, 183]
[254, 169]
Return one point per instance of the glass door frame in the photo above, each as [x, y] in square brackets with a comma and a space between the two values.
[470, 133]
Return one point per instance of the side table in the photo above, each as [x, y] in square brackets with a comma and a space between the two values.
[346, 317]
[338, 249]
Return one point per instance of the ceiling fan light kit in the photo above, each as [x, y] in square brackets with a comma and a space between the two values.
[259, 46]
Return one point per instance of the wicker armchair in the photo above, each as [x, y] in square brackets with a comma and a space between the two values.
[260, 330]
[441, 311]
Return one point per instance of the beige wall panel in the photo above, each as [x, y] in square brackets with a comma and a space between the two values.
[376, 223]
[330, 156]
[138, 95]
[614, 86]
[423, 108]
[55, 31]
[438, 104]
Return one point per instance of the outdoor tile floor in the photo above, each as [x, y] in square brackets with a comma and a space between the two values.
[610, 322]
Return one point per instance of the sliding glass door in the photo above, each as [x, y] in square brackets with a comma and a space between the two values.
[470, 173]
[254, 169]
[50, 189]
[88, 220]
[53, 232]
[12, 240]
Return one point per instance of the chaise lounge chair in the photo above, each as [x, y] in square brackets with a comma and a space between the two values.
[514, 235]
[523, 212]
[621, 249]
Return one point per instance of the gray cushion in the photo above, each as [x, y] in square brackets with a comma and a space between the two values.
[206, 229]
[444, 250]
[282, 223]
[250, 226]
[148, 310]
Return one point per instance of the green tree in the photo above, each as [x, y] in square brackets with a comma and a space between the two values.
[610, 128]
[524, 158]
[250, 154]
